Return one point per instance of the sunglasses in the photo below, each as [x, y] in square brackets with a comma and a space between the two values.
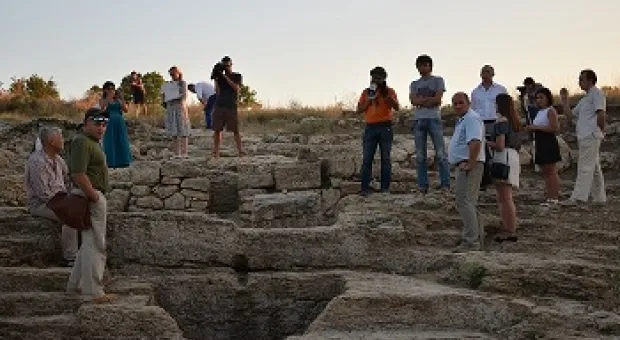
[99, 120]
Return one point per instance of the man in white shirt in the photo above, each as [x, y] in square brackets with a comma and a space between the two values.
[205, 92]
[591, 121]
[483, 103]
[483, 97]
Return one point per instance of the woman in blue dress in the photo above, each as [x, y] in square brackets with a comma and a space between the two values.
[116, 140]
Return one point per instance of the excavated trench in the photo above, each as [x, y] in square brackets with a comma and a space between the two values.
[269, 306]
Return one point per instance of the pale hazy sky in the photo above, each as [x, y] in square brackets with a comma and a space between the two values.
[311, 51]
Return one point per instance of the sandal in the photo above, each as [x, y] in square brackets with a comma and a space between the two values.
[506, 238]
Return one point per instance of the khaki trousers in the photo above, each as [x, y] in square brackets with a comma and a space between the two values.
[87, 273]
[590, 181]
[69, 236]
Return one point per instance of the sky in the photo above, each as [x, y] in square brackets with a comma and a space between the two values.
[314, 52]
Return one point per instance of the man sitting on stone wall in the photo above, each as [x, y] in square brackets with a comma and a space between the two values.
[46, 175]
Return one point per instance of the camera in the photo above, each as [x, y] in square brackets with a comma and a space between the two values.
[522, 90]
[372, 91]
[218, 70]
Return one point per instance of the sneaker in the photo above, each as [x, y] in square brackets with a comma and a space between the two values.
[465, 247]
[570, 202]
[365, 193]
[423, 190]
[550, 202]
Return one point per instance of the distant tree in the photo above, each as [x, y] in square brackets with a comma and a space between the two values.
[34, 86]
[153, 82]
[94, 90]
[247, 97]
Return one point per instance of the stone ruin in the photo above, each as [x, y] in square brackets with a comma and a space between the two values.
[277, 245]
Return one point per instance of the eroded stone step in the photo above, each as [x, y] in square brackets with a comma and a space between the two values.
[394, 335]
[38, 304]
[28, 279]
[32, 250]
[40, 327]
[538, 275]
[373, 302]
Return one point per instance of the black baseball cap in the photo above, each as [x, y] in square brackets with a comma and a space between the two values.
[96, 114]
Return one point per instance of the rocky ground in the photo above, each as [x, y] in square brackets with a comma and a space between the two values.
[277, 245]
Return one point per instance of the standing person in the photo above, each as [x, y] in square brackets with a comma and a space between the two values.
[505, 142]
[177, 119]
[591, 121]
[426, 94]
[89, 172]
[138, 93]
[45, 176]
[466, 154]
[377, 103]
[226, 114]
[205, 92]
[116, 139]
[483, 103]
[483, 98]
[547, 152]
[527, 97]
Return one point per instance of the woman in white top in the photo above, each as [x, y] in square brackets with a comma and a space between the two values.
[505, 143]
[547, 150]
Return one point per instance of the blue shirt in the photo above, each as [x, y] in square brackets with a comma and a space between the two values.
[468, 128]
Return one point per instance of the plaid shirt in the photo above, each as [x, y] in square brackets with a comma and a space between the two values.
[44, 178]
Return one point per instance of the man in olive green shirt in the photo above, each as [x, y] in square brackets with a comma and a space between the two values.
[89, 171]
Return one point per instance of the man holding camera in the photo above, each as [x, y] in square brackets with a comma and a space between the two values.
[527, 97]
[226, 114]
[377, 103]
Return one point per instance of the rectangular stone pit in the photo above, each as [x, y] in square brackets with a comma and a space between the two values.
[298, 209]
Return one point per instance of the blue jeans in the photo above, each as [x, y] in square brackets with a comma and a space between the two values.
[208, 110]
[379, 134]
[422, 128]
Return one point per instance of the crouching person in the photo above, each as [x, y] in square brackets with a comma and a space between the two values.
[89, 172]
[377, 103]
[45, 177]
[466, 154]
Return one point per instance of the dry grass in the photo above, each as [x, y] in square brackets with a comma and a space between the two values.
[296, 118]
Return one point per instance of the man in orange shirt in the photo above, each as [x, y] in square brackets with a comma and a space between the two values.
[377, 103]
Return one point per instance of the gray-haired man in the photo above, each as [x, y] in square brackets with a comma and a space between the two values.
[46, 175]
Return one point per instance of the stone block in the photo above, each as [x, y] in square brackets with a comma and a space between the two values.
[199, 184]
[175, 202]
[165, 191]
[184, 168]
[298, 176]
[149, 202]
[140, 190]
[145, 172]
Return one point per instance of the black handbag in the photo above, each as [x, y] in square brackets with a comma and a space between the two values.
[500, 171]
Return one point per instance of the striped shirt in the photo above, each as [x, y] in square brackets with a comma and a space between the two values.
[45, 177]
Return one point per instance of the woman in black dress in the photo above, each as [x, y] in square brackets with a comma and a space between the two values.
[547, 150]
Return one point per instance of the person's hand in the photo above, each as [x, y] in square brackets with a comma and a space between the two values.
[93, 197]
[465, 166]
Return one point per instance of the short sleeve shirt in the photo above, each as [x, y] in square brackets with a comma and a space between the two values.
[87, 156]
[427, 88]
[468, 128]
[586, 112]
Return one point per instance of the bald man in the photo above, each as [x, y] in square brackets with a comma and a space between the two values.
[467, 155]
